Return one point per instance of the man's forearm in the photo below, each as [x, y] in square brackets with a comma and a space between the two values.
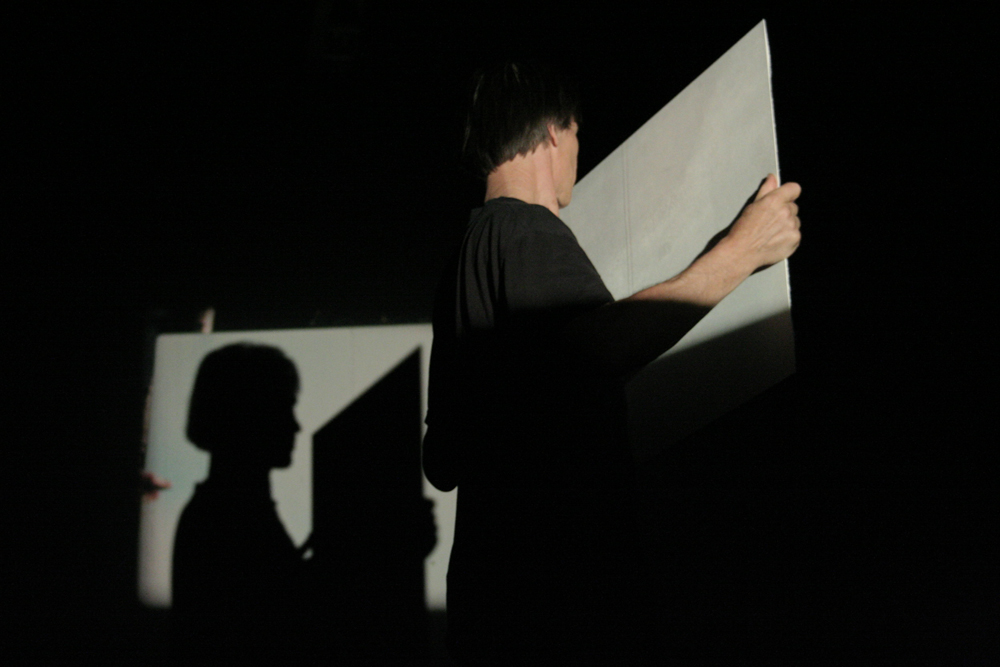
[623, 336]
[706, 282]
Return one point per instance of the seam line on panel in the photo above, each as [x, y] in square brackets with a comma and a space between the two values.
[628, 221]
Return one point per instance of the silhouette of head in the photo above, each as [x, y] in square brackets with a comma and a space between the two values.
[242, 405]
[510, 109]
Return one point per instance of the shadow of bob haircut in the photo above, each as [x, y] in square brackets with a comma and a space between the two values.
[510, 108]
[234, 385]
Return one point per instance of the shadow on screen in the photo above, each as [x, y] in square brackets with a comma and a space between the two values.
[372, 527]
[240, 586]
[242, 590]
[681, 392]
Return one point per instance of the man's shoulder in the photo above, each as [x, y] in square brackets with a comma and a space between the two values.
[518, 218]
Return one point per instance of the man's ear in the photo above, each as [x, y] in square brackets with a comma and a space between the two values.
[551, 127]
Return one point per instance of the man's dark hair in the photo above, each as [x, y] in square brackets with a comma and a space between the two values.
[235, 384]
[510, 108]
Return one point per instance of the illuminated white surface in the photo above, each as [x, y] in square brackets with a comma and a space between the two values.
[335, 366]
[647, 210]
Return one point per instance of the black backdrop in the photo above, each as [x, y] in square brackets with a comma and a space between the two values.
[290, 171]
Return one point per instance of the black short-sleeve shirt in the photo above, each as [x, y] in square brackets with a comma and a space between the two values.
[504, 383]
[534, 439]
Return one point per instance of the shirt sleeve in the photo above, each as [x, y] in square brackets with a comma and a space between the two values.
[546, 273]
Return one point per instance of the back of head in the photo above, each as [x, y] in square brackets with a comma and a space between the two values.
[510, 108]
[238, 387]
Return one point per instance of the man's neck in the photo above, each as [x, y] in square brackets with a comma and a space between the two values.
[526, 177]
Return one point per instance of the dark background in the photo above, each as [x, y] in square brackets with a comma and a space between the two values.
[294, 167]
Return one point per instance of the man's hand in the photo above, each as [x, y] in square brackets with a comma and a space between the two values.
[768, 229]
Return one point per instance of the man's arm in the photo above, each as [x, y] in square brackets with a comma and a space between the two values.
[623, 336]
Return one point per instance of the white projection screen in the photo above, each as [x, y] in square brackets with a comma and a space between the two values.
[649, 209]
[336, 367]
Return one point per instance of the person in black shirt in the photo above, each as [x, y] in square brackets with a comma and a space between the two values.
[526, 408]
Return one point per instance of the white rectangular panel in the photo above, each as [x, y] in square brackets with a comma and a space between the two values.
[649, 209]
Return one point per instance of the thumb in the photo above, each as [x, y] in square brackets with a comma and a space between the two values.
[770, 183]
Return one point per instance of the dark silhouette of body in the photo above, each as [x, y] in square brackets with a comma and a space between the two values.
[241, 590]
[240, 585]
